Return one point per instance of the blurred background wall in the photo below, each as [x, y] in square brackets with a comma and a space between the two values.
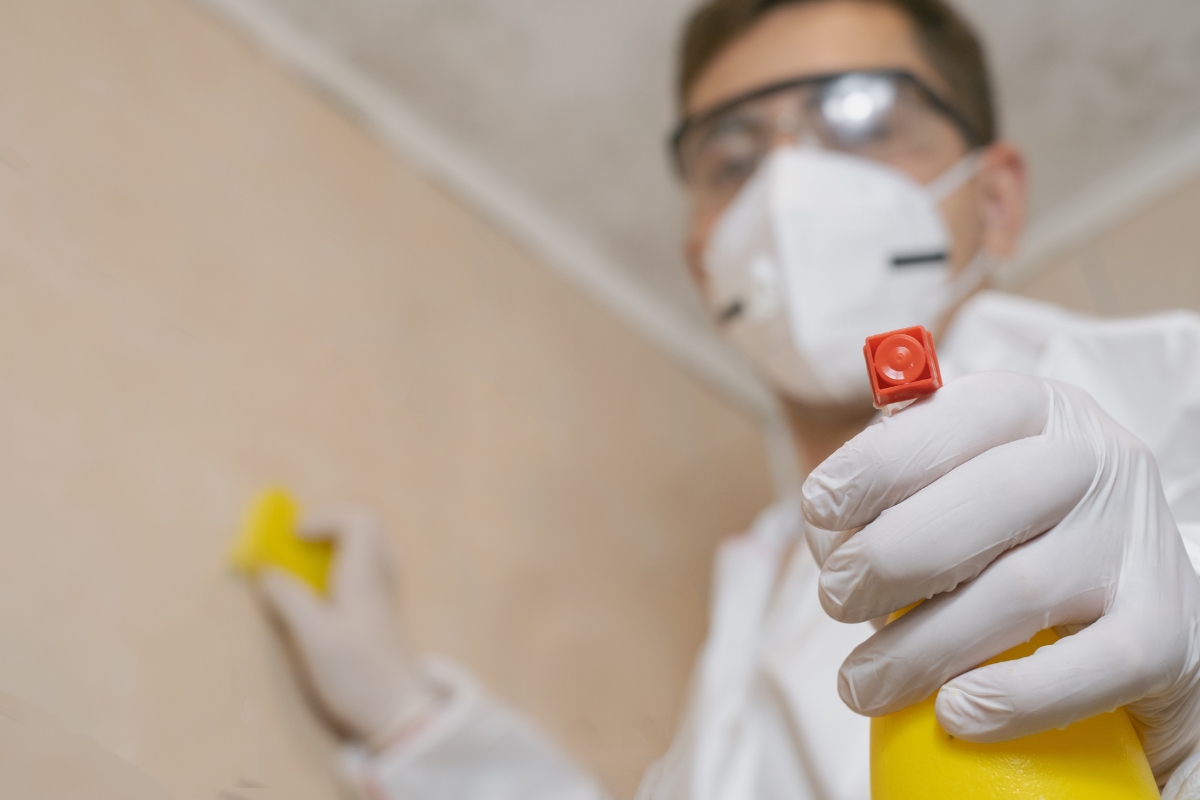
[420, 255]
[211, 280]
[1146, 261]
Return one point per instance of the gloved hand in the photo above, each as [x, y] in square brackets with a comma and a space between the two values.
[1016, 504]
[351, 645]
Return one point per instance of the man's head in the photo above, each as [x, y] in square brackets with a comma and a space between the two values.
[948, 46]
[734, 47]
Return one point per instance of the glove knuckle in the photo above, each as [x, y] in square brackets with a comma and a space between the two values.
[1035, 585]
[1130, 656]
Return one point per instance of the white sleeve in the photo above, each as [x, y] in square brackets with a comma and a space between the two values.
[472, 749]
[715, 748]
[1190, 532]
[736, 739]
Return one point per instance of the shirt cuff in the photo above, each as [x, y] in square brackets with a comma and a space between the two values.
[360, 765]
[469, 747]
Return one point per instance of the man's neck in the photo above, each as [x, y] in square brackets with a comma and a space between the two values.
[820, 430]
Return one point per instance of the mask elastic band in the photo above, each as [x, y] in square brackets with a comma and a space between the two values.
[972, 275]
[955, 177]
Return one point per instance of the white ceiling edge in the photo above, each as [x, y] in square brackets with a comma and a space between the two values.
[418, 141]
[1112, 198]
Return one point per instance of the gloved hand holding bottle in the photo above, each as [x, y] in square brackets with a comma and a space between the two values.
[1010, 504]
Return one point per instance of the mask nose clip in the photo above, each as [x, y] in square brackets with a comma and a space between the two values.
[731, 312]
[920, 259]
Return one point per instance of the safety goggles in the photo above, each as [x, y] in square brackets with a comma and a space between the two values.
[885, 115]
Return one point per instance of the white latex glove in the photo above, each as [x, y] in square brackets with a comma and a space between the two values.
[351, 645]
[1016, 504]
[1185, 783]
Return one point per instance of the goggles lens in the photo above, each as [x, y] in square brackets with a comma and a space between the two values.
[886, 116]
[856, 106]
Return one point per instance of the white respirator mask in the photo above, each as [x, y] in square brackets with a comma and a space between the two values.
[820, 250]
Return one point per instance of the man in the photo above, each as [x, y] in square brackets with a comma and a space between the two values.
[845, 179]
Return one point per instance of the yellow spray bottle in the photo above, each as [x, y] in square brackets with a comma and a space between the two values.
[1099, 758]
[912, 758]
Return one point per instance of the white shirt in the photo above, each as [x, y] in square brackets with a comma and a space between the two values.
[764, 719]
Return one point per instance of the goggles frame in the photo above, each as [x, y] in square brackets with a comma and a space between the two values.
[974, 139]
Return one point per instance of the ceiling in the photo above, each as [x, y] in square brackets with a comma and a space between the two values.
[568, 103]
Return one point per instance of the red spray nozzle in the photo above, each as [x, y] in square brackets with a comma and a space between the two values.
[903, 366]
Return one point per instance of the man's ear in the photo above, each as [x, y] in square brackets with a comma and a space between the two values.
[1004, 198]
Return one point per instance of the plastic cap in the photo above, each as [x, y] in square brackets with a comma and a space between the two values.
[902, 365]
[900, 359]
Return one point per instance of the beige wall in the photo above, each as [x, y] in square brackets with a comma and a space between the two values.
[1148, 262]
[210, 280]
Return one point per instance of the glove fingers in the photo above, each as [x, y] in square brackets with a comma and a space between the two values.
[1020, 594]
[950, 531]
[891, 461]
[332, 524]
[360, 558]
[1094, 671]
[823, 543]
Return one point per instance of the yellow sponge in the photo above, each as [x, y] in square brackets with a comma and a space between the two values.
[269, 539]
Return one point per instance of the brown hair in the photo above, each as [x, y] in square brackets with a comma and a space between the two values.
[944, 37]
